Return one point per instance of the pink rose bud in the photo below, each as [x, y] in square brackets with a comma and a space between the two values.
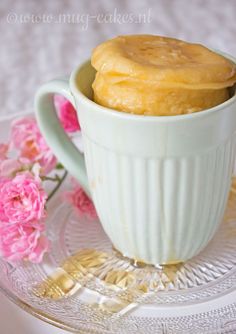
[83, 204]
[67, 114]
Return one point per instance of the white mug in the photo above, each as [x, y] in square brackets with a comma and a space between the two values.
[159, 183]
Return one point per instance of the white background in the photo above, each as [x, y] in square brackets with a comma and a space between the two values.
[34, 50]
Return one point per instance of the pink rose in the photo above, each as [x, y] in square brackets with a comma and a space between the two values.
[67, 114]
[22, 199]
[26, 137]
[23, 242]
[83, 204]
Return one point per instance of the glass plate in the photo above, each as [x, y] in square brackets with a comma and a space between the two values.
[86, 286]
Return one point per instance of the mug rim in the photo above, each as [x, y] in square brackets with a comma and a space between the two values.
[135, 117]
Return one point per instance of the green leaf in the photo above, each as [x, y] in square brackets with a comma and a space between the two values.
[59, 166]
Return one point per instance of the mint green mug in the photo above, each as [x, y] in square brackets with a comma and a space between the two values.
[159, 184]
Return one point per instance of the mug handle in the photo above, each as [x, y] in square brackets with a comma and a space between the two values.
[54, 134]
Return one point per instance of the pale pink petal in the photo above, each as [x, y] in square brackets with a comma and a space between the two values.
[38, 252]
[3, 151]
[9, 167]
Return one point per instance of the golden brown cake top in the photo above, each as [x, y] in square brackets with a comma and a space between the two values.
[165, 62]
